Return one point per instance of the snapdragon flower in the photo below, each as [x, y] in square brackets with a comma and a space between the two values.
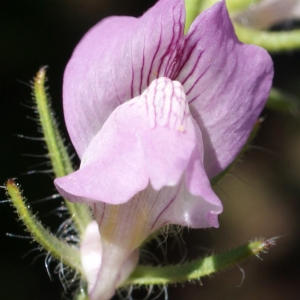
[153, 115]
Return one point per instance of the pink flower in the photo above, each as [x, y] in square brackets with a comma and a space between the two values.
[153, 115]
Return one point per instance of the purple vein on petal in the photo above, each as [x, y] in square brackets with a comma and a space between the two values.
[142, 68]
[152, 208]
[166, 207]
[192, 71]
[103, 212]
[179, 50]
[153, 59]
[144, 65]
[116, 90]
[176, 52]
[196, 31]
[203, 73]
[168, 52]
[132, 74]
[170, 110]
[195, 82]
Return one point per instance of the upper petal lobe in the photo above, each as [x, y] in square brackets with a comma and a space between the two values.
[116, 61]
[227, 84]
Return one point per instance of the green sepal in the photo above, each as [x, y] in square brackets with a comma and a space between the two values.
[58, 153]
[195, 270]
[283, 102]
[60, 250]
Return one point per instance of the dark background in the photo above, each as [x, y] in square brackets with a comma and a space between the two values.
[261, 196]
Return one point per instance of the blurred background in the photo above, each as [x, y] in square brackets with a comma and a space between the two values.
[261, 196]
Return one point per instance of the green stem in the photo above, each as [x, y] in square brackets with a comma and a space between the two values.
[57, 151]
[148, 275]
[60, 250]
[59, 159]
[271, 41]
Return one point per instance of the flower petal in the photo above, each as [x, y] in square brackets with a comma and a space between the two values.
[147, 212]
[117, 264]
[116, 61]
[128, 266]
[150, 138]
[226, 83]
[91, 253]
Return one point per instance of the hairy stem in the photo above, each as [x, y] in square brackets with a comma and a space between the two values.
[57, 151]
[149, 275]
[60, 250]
